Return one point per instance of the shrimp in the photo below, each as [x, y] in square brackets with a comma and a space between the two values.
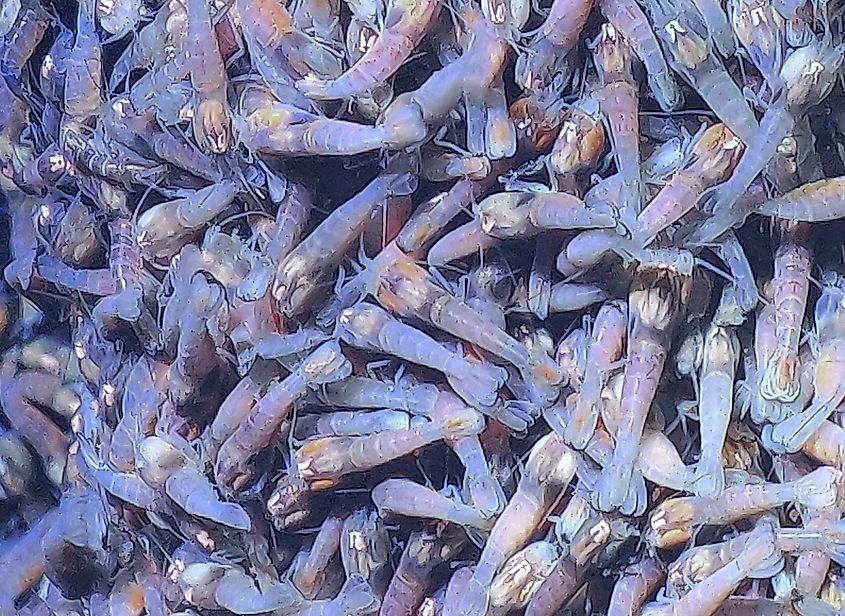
[808, 78]
[619, 104]
[461, 242]
[166, 227]
[405, 26]
[759, 554]
[550, 467]
[637, 582]
[684, 34]
[405, 497]
[718, 370]
[779, 381]
[628, 18]
[31, 424]
[521, 576]
[193, 492]
[19, 46]
[652, 312]
[819, 201]
[760, 30]
[364, 548]
[406, 289]
[713, 154]
[372, 328]
[83, 91]
[309, 574]
[324, 365]
[211, 122]
[607, 341]
[537, 67]
[325, 460]
[674, 520]
[299, 274]
[793, 433]
[424, 551]
[578, 145]
[515, 214]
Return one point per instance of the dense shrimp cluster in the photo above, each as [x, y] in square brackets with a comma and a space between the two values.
[422, 307]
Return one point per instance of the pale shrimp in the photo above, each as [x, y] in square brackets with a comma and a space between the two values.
[23, 241]
[237, 593]
[424, 551]
[361, 423]
[635, 585]
[19, 46]
[674, 520]
[466, 240]
[407, 289]
[193, 492]
[731, 252]
[607, 341]
[571, 296]
[791, 286]
[537, 67]
[619, 103]
[819, 201]
[143, 394]
[720, 357]
[578, 146]
[808, 78]
[759, 554]
[166, 227]
[652, 312]
[827, 445]
[323, 461]
[359, 392]
[760, 30]
[405, 26]
[324, 365]
[628, 18]
[713, 154]
[521, 577]
[127, 486]
[517, 214]
[685, 36]
[83, 91]
[372, 328]
[211, 121]
[485, 491]
[298, 275]
[549, 469]
[408, 498]
[829, 392]
[356, 598]
[309, 574]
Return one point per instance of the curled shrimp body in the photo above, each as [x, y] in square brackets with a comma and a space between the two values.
[760, 30]
[404, 27]
[818, 201]
[372, 328]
